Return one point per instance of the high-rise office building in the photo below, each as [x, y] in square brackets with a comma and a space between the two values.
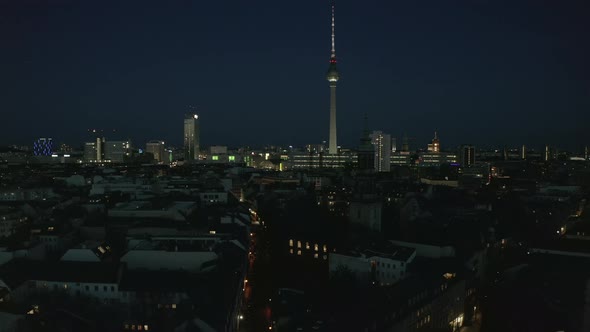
[435, 145]
[405, 143]
[99, 148]
[467, 155]
[393, 144]
[366, 151]
[191, 137]
[332, 76]
[382, 146]
[158, 149]
[117, 151]
[43, 147]
[90, 151]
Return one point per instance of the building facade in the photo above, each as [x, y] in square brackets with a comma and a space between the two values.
[43, 147]
[117, 151]
[435, 145]
[158, 149]
[467, 155]
[191, 137]
[382, 145]
[436, 158]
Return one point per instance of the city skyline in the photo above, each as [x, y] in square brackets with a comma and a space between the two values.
[175, 166]
[454, 87]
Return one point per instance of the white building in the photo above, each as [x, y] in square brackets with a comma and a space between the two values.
[384, 267]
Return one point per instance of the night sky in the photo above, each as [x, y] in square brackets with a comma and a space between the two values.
[480, 72]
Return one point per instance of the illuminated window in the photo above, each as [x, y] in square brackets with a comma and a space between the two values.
[291, 251]
[174, 306]
[146, 327]
[290, 242]
[307, 245]
[316, 247]
[298, 252]
[214, 157]
[315, 255]
[232, 158]
[298, 244]
[325, 248]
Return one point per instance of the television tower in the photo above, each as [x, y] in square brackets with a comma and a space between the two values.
[332, 76]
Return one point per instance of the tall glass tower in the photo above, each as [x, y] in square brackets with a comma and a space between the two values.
[191, 137]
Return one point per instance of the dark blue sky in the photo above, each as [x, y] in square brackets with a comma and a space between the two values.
[481, 72]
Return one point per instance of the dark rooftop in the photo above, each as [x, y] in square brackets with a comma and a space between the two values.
[18, 271]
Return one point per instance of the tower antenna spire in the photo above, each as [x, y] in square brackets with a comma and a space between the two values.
[333, 54]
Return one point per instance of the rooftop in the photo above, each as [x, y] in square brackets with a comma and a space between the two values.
[18, 271]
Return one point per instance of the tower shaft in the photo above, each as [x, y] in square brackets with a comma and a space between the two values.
[333, 147]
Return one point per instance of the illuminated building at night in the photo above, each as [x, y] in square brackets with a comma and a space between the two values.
[94, 151]
[191, 137]
[43, 147]
[436, 158]
[117, 151]
[435, 145]
[382, 145]
[467, 155]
